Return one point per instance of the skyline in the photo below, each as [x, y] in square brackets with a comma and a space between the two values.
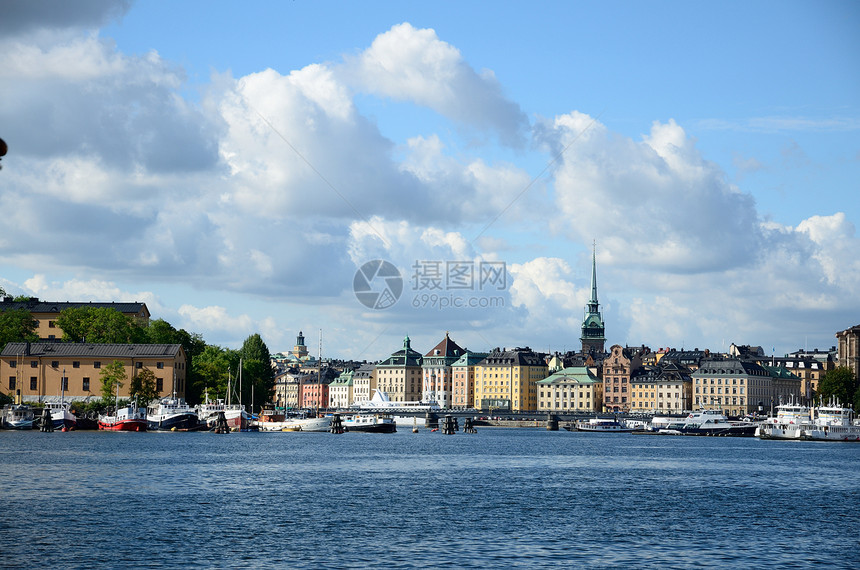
[234, 167]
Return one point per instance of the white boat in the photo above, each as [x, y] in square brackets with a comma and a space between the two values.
[380, 402]
[298, 422]
[714, 423]
[171, 414]
[602, 425]
[17, 416]
[370, 423]
[790, 422]
[833, 423]
[61, 415]
[235, 414]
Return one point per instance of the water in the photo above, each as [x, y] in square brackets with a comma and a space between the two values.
[501, 498]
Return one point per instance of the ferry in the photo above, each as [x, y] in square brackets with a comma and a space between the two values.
[790, 422]
[380, 402]
[833, 423]
[714, 423]
[601, 425]
[269, 421]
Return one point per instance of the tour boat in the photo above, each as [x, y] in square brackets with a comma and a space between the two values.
[171, 414]
[833, 423]
[297, 422]
[790, 423]
[380, 402]
[713, 422]
[17, 416]
[602, 425]
[61, 415]
[369, 423]
[128, 418]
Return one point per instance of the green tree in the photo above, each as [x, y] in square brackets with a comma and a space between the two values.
[99, 325]
[113, 378]
[160, 331]
[17, 325]
[211, 369]
[143, 387]
[258, 376]
[839, 383]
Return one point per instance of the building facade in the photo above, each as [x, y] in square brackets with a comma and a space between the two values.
[400, 375]
[49, 371]
[663, 389]
[463, 374]
[437, 375]
[363, 382]
[618, 368]
[506, 380]
[570, 390]
[46, 313]
[340, 391]
[848, 349]
[738, 387]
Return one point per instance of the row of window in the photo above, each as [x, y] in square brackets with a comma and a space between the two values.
[77, 364]
[64, 384]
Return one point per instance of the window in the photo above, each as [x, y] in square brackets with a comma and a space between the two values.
[76, 364]
[159, 384]
[64, 383]
[12, 364]
[97, 364]
[11, 382]
[34, 383]
[52, 324]
[34, 364]
[86, 385]
[138, 365]
[55, 364]
[159, 365]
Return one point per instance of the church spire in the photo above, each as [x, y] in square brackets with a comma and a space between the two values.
[593, 331]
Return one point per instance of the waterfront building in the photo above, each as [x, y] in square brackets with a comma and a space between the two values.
[506, 380]
[400, 375]
[593, 335]
[739, 387]
[340, 391]
[665, 389]
[363, 382]
[313, 392]
[618, 368]
[570, 390]
[46, 312]
[47, 371]
[287, 386]
[848, 350]
[436, 385]
[463, 374]
[808, 369]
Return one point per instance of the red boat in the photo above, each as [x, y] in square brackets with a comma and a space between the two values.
[129, 418]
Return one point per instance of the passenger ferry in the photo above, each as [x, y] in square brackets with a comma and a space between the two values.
[790, 422]
[833, 423]
[602, 425]
[380, 402]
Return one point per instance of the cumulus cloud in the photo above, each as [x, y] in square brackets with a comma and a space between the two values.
[409, 64]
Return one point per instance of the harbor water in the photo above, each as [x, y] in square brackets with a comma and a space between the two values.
[500, 498]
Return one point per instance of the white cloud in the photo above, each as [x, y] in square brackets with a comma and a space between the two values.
[215, 318]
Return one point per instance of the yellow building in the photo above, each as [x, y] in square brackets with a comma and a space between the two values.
[463, 373]
[47, 371]
[570, 390]
[45, 313]
[507, 380]
[663, 389]
[400, 375]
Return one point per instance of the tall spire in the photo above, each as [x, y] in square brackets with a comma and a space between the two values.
[592, 325]
[593, 300]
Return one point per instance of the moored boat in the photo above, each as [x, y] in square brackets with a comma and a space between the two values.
[235, 414]
[297, 422]
[833, 423]
[790, 422]
[714, 423]
[369, 423]
[18, 416]
[602, 425]
[127, 418]
[61, 415]
[171, 414]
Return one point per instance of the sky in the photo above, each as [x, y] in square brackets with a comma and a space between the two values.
[363, 171]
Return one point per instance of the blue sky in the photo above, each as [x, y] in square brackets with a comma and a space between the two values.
[233, 165]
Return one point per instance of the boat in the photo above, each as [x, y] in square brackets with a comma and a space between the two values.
[715, 423]
[601, 425]
[61, 415]
[235, 414]
[370, 423]
[17, 416]
[833, 422]
[127, 418]
[790, 422]
[171, 414]
[380, 402]
[301, 421]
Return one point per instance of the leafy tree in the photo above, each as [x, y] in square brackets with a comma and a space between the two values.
[21, 298]
[211, 368]
[839, 383]
[113, 377]
[17, 325]
[99, 325]
[160, 331]
[258, 374]
[143, 387]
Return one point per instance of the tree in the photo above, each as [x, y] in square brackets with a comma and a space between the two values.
[257, 371]
[17, 325]
[211, 369]
[143, 387]
[113, 378]
[99, 325]
[160, 331]
[838, 383]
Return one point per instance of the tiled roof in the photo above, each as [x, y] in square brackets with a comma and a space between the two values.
[84, 350]
[37, 306]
